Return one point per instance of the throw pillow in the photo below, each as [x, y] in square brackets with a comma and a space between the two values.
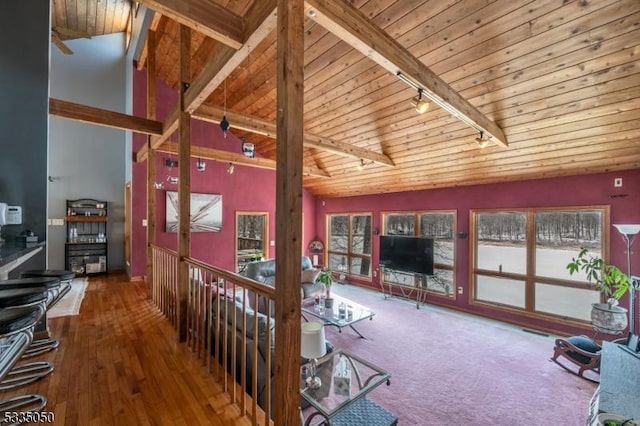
[309, 275]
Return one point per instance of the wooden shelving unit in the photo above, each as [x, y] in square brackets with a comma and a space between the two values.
[86, 249]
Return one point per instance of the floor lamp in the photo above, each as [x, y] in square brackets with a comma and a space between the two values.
[629, 232]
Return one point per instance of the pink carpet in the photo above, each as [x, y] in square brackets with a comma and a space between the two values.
[454, 369]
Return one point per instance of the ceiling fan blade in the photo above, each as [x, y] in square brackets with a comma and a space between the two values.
[60, 44]
[68, 32]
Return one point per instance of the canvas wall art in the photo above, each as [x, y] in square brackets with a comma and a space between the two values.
[206, 212]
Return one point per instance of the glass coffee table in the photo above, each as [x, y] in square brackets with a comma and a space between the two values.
[345, 380]
[353, 313]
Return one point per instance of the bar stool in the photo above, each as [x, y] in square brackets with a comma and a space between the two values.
[64, 276]
[17, 298]
[16, 333]
[53, 286]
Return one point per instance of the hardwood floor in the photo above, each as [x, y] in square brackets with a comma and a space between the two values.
[119, 364]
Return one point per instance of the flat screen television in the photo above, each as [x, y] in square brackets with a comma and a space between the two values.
[407, 254]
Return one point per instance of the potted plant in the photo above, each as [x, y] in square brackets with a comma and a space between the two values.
[325, 277]
[609, 419]
[612, 283]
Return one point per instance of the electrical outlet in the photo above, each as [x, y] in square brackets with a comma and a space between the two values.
[617, 182]
[272, 243]
[144, 222]
[460, 290]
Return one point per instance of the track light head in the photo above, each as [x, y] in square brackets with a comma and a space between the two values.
[361, 165]
[481, 141]
[420, 104]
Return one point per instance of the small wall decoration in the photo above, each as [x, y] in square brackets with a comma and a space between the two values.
[205, 216]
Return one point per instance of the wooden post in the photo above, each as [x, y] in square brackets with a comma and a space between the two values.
[151, 160]
[184, 183]
[289, 151]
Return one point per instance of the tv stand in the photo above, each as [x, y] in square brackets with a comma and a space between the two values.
[416, 290]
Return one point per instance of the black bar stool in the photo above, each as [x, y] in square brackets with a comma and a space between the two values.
[16, 333]
[17, 298]
[52, 285]
[64, 276]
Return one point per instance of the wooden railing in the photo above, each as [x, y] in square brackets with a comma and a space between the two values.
[218, 326]
[165, 282]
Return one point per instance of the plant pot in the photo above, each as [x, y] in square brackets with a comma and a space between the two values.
[608, 319]
[609, 419]
[328, 303]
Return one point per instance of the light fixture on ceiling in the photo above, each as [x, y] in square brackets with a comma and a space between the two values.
[224, 124]
[441, 103]
[362, 164]
[201, 165]
[230, 168]
[420, 104]
[482, 141]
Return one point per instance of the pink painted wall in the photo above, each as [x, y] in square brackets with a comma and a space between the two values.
[247, 189]
[254, 189]
[587, 190]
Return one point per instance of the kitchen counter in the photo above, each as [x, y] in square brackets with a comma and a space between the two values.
[13, 254]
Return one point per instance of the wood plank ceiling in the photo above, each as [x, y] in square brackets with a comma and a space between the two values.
[96, 17]
[560, 78]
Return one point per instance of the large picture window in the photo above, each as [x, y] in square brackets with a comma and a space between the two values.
[350, 243]
[520, 258]
[439, 225]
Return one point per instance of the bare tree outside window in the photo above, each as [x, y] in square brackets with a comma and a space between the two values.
[350, 244]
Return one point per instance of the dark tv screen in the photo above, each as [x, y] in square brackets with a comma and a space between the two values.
[407, 254]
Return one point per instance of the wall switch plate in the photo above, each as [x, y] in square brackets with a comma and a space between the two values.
[272, 243]
[144, 222]
[617, 182]
[56, 222]
[460, 290]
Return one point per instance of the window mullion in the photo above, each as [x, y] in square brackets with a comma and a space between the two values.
[530, 290]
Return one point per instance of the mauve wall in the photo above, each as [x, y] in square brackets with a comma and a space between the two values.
[587, 190]
[247, 189]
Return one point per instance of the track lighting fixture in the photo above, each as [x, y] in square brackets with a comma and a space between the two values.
[420, 104]
[362, 164]
[230, 168]
[442, 104]
[200, 165]
[481, 141]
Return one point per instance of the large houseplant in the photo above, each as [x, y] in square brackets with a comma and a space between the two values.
[612, 284]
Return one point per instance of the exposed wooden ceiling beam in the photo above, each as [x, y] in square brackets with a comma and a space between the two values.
[352, 26]
[261, 20]
[103, 117]
[155, 21]
[206, 17]
[235, 158]
[267, 128]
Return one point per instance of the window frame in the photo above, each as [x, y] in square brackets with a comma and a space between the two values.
[417, 231]
[349, 254]
[530, 277]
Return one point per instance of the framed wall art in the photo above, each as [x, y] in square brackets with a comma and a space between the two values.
[205, 216]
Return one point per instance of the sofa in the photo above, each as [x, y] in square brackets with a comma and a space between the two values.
[265, 345]
[234, 306]
[264, 271]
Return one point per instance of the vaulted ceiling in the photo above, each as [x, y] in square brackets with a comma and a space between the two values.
[559, 79]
